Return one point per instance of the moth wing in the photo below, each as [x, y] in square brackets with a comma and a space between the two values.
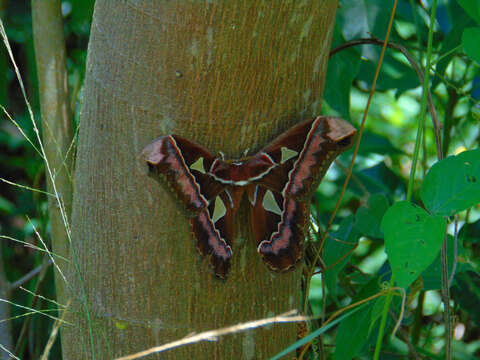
[328, 138]
[182, 163]
[198, 160]
[278, 225]
[303, 154]
[214, 229]
[293, 139]
[284, 150]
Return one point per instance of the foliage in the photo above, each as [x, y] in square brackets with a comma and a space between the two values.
[376, 233]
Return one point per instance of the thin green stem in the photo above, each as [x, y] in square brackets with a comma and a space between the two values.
[383, 321]
[423, 106]
[443, 56]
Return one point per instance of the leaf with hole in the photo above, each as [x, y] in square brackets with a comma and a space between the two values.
[413, 239]
[452, 184]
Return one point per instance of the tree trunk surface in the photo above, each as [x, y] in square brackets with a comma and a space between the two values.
[229, 75]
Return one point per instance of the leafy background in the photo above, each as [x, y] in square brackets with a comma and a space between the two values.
[374, 234]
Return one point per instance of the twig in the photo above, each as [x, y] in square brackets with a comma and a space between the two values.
[213, 335]
[30, 275]
[355, 178]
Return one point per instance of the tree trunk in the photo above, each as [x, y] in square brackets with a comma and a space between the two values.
[50, 56]
[229, 75]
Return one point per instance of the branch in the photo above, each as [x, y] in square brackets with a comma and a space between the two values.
[29, 276]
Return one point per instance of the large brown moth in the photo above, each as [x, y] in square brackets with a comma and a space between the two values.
[278, 180]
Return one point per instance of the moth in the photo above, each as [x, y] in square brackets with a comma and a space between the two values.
[278, 182]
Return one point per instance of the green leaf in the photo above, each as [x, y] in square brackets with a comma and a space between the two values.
[353, 333]
[470, 39]
[413, 239]
[472, 8]
[369, 216]
[337, 252]
[317, 332]
[451, 41]
[376, 179]
[6, 206]
[395, 74]
[364, 18]
[82, 12]
[452, 184]
[341, 72]
[377, 144]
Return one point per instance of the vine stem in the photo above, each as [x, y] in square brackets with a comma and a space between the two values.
[423, 106]
[383, 321]
[421, 124]
[418, 141]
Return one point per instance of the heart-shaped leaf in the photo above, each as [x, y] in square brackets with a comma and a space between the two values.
[413, 239]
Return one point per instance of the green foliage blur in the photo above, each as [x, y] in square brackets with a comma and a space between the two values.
[23, 212]
[355, 262]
